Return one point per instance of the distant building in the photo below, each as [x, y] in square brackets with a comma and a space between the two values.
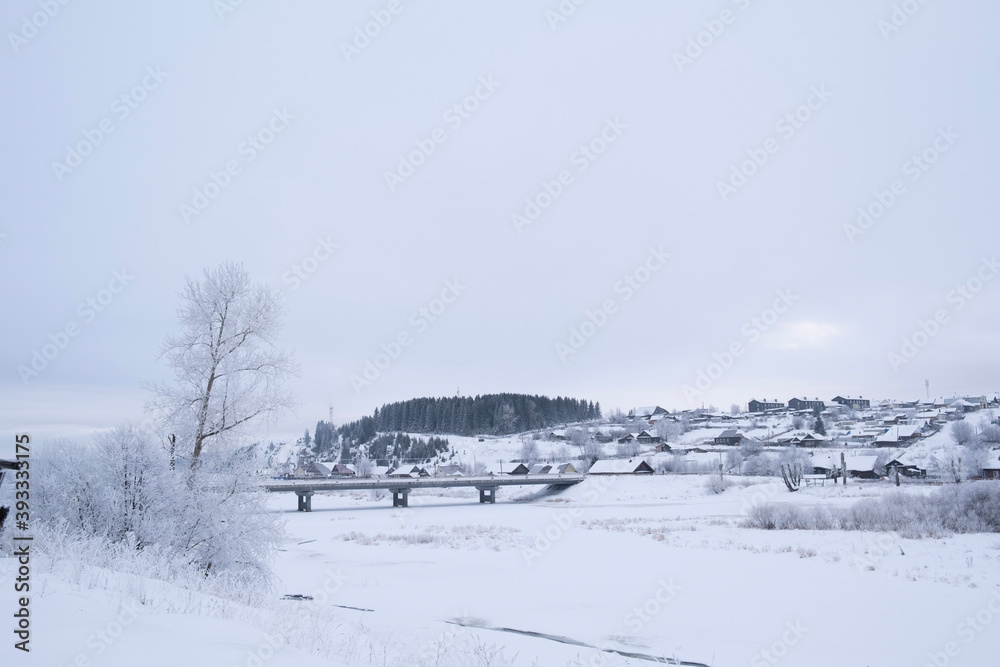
[647, 438]
[729, 437]
[647, 412]
[621, 467]
[806, 404]
[853, 403]
[762, 406]
[991, 469]
[320, 468]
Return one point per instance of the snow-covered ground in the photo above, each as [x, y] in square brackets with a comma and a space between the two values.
[654, 565]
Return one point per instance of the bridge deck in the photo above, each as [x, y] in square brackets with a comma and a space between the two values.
[401, 486]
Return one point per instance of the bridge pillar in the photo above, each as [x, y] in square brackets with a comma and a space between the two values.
[305, 500]
[400, 497]
[487, 494]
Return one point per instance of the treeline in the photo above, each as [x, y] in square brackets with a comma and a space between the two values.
[398, 447]
[492, 414]
[360, 439]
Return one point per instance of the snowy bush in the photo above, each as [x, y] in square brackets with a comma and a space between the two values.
[717, 484]
[966, 508]
[760, 465]
[122, 490]
[627, 449]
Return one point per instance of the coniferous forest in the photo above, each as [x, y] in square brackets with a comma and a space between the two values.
[490, 414]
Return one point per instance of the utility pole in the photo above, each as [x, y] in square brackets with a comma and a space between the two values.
[927, 386]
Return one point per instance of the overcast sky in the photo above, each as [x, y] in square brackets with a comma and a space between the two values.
[615, 122]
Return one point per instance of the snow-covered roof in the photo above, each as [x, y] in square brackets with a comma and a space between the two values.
[620, 467]
[897, 433]
[540, 469]
[861, 463]
[645, 411]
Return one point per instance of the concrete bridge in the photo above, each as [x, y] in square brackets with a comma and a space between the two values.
[401, 486]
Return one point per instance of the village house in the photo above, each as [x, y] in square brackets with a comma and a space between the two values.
[896, 436]
[642, 437]
[904, 469]
[650, 413]
[621, 467]
[856, 403]
[729, 437]
[991, 469]
[342, 470]
[764, 406]
[320, 469]
[806, 404]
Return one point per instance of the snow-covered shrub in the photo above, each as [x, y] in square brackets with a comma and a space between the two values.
[624, 449]
[716, 484]
[760, 465]
[122, 489]
[966, 508]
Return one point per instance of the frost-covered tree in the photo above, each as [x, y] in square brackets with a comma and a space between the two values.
[963, 433]
[228, 366]
[120, 490]
[529, 452]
